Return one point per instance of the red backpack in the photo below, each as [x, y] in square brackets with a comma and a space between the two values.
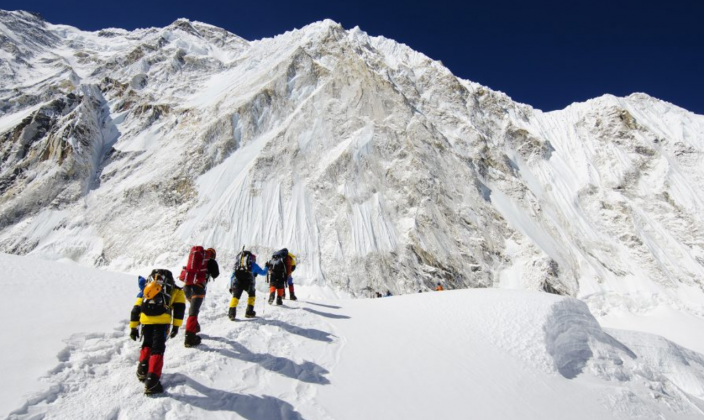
[196, 271]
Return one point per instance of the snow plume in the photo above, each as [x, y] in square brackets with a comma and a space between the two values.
[371, 162]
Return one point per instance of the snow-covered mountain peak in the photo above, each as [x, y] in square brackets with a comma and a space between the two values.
[378, 166]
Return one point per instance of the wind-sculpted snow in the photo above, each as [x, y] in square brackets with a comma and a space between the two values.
[371, 162]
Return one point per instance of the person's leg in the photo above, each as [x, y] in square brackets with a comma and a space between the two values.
[272, 292]
[292, 295]
[280, 293]
[195, 294]
[251, 292]
[236, 295]
[156, 360]
[145, 353]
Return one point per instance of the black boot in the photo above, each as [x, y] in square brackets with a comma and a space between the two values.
[153, 385]
[142, 369]
[232, 313]
[250, 312]
[279, 300]
[293, 297]
[271, 298]
[192, 340]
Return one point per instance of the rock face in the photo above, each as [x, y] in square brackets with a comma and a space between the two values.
[373, 163]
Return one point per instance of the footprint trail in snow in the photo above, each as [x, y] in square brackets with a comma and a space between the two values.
[253, 368]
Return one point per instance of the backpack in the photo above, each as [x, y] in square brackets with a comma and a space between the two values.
[277, 267]
[282, 253]
[244, 261]
[196, 270]
[141, 282]
[157, 292]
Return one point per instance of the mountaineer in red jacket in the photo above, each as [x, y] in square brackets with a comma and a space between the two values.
[201, 267]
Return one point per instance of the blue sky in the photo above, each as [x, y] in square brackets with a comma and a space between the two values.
[545, 53]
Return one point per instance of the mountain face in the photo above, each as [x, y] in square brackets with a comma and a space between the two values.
[374, 164]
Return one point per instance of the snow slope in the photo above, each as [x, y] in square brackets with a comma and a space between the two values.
[48, 306]
[484, 353]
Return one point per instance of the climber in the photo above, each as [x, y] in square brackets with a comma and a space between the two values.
[243, 279]
[280, 267]
[201, 267]
[159, 310]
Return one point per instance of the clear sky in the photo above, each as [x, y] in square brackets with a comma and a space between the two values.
[544, 53]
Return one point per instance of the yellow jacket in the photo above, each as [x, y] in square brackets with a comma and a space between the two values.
[174, 313]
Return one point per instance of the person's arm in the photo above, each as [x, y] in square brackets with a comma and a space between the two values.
[134, 317]
[179, 307]
[258, 270]
[136, 312]
[213, 268]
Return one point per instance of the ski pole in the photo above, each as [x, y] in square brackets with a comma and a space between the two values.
[265, 294]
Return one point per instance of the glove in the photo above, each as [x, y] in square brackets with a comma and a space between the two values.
[174, 331]
[134, 333]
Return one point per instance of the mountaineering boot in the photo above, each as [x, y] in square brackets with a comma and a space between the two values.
[293, 297]
[153, 385]
[250, 312]
[271, 297]
[232, 313]
[279, 301]
[142, 369]
[192, 340]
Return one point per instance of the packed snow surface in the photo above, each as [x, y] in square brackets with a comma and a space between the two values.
[484, 353]
[47, 307]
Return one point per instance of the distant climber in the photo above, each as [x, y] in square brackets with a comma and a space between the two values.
[388, 293]
[201, 267]
[439, 288]
[280, 267]
[243, 279]
[159, 309]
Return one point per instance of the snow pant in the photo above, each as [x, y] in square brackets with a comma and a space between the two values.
[195, 294]
[153, 347]
[290, 286]
[277, 287]
[240, 287]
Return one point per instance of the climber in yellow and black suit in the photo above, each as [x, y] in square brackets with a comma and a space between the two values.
[159, 309]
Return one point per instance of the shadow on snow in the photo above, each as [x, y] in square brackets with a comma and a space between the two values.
[326, 314]
[311, 333]
[305, 372]
[324, 306]
[247, 406]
